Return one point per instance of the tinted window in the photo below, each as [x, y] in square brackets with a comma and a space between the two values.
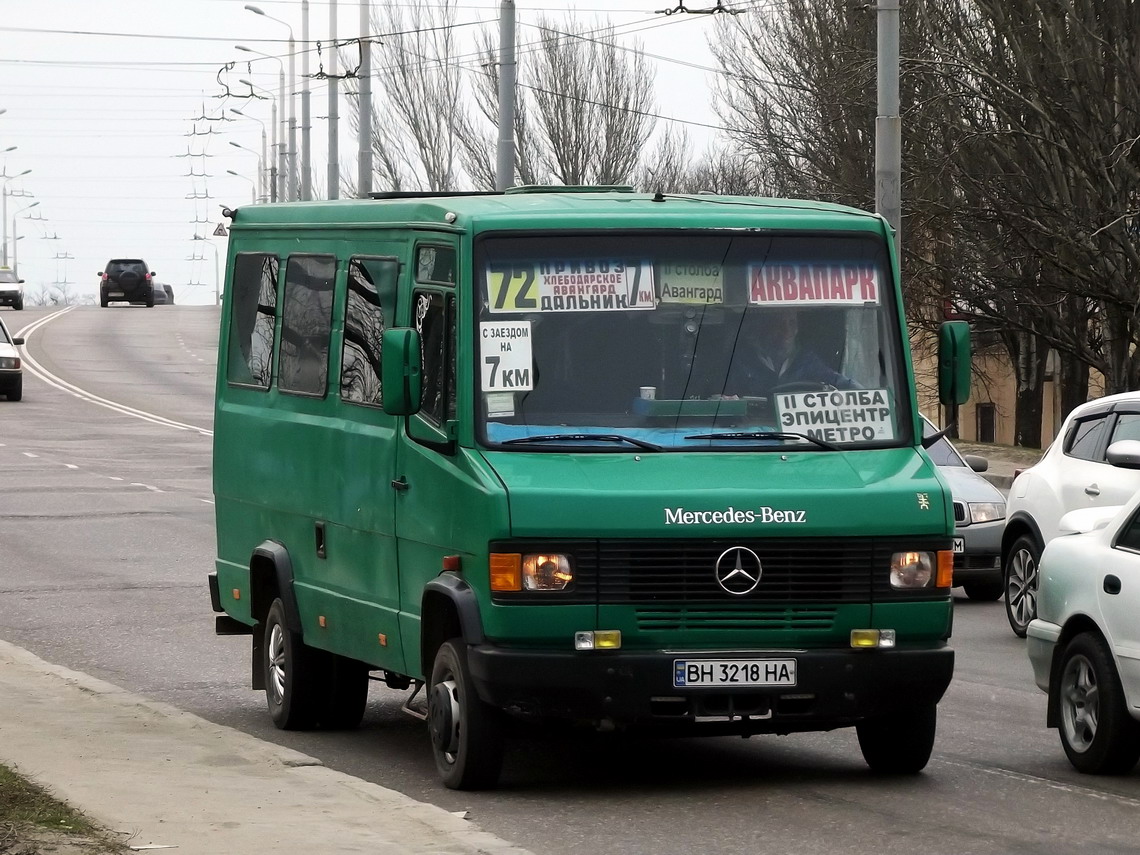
[1129, 536]
[1127, 427]
[1086, 438]
[371, 300]
[306, 323]
[435, 264]
[134, 265]
[253, 288]
[435, 321]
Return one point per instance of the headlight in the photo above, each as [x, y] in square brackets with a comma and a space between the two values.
[546, 572]
[981, 512]
[9, 363]
[912, 569]
[512, 571]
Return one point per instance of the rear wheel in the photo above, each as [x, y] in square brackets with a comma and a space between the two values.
[293, 679]
[466, 734]
[1021, 583]
[1097, 733]
[899, 743]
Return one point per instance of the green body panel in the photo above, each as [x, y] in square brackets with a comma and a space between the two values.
[285, 463]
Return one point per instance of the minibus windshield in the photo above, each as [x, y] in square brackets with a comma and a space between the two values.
[688, 341]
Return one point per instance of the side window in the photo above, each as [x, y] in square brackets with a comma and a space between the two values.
[1086, 437]
[254, 315]
[306, 324]
[435, 264]
[1127, 427]
[1129, 537]
[434, 318]
[371, 301]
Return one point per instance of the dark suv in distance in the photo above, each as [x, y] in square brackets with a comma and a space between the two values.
[127, 279]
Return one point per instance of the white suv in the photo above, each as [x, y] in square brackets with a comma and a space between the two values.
[1075, 472]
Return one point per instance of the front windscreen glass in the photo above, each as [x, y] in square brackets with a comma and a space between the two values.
[671, 342]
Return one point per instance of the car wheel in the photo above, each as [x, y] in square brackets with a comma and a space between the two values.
[1097, 733]
[103, 301]
[293, 678]
[19, 305]
[899, 743]
[985, 591]
[466, 734]
[1021, 583]
[16, 390]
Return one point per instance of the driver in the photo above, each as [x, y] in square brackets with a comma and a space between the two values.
[770, 356]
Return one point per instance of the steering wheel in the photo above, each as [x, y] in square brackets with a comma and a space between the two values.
[801, 386]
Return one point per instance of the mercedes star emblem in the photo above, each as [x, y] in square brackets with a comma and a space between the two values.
[738, 571]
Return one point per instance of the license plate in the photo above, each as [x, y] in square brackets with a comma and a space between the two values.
[959, 545]
[699, 673]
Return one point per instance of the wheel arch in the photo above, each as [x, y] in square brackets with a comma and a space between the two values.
[1015, 527]
[270, 577]
[448, 609]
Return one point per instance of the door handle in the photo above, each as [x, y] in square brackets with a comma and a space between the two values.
[400, 483]
[1092, 490]
[1111, 584]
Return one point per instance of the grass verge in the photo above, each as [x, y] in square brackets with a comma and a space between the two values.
[32, 821]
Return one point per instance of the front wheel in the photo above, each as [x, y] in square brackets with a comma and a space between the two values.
[899, 743]
[1097, 733]
[466, 734]
[294, 684]
[1021, 583]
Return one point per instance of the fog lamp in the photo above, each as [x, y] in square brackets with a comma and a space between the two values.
[602, 639]
[872, 638]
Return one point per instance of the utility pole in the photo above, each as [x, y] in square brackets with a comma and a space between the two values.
[505, 167]
[364, 143]
[306, 158]
[888, 123]
[334, 109]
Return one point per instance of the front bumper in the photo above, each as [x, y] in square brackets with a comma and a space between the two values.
[1040, 643]
[11, 298]
[834, 688]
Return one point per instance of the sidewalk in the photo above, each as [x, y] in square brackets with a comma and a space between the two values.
[171, 779]
[1004, 460]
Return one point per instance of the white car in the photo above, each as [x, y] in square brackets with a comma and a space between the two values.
[11, 289]
[1075, 472]
[1084, 644]
[11, 365]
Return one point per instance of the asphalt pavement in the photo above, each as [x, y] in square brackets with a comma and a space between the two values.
[163, 778]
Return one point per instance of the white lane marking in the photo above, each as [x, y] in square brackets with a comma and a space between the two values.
[147, 486]
[29, 454]
[207, 501]
[1072, 789]
[61, 384]
[71, 466]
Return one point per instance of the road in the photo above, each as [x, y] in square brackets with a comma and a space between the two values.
[106, 537]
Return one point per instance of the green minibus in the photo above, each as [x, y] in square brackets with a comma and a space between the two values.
[626, 461]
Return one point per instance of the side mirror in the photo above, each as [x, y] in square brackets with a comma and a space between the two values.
[954, 363]
[18, 340]
[1124, 453]
[400, 371]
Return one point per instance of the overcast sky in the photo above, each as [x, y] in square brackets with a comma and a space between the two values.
[104, 100]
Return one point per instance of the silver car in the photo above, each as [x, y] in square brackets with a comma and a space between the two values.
[979, 518]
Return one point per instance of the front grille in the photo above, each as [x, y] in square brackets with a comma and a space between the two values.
[959, 512]
[813, 570]
[748, 618]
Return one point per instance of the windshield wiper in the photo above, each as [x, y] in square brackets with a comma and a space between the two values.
[585, 437]
[765, 435]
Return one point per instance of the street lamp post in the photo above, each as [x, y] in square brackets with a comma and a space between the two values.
[281, 170]
[264, 170]
[252, 184]
[217, 271]
[14, 237]
[249, 151]
[4, 212]
[292, 93]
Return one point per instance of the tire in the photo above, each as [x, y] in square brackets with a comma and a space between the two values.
[150, 299]
[345, 698]
[986, 592]
[16, 390]
[103, 301]
[19, 305]
[1020, 572]
[899, 743]
[293, 674]
[1097, 733]
[466, 734]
